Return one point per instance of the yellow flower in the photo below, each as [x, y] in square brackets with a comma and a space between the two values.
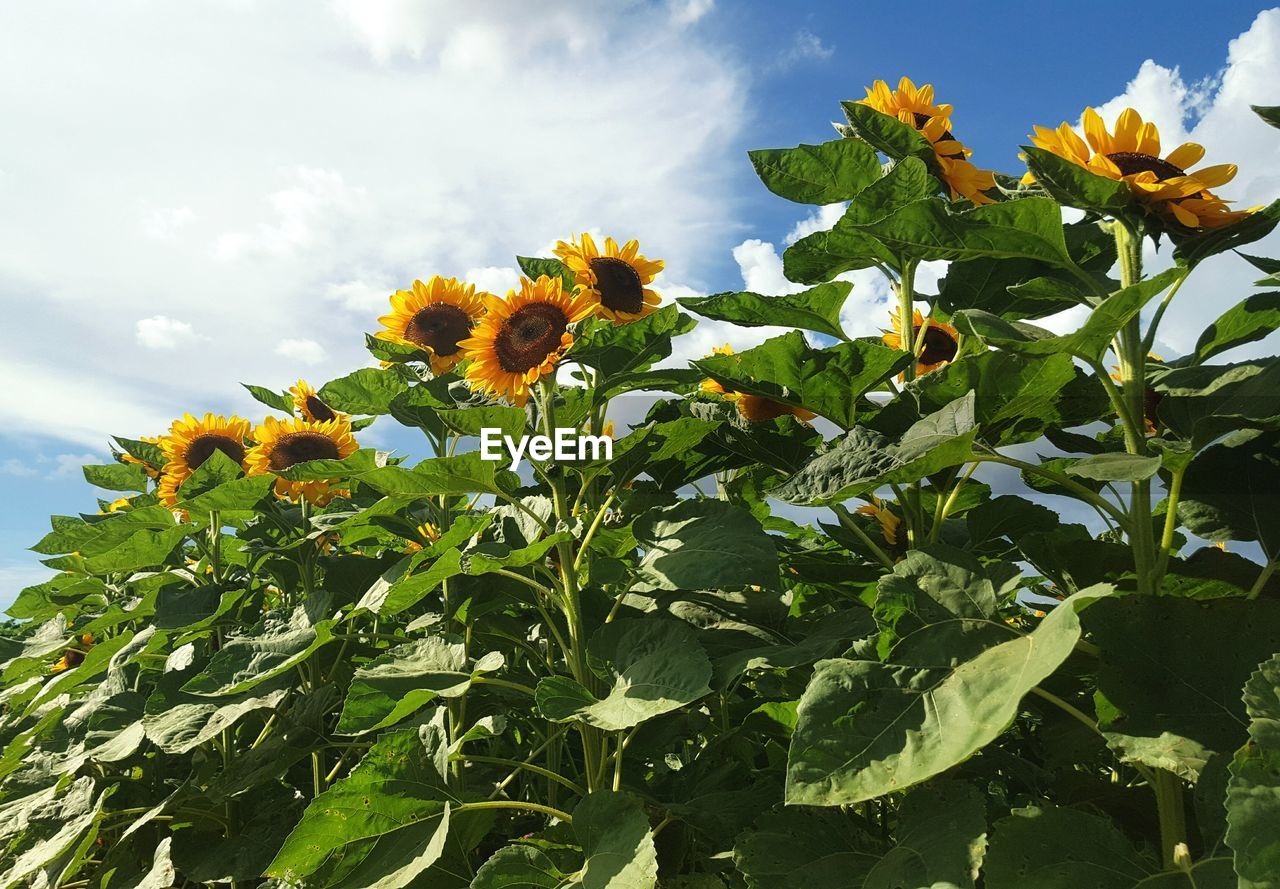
[941, 341]
[522, 337]
[889, 522]
[428, 533]
[615, 279]
[116, 505]
[915, 107]
[1132, 155]
[753, 408]
[281, 444]
[73, 657]
[436, 317]
[309, 404]
[191, 442]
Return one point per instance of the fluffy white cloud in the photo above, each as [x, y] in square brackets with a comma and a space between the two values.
[13, 466]
[305, 351]
[805, 46]
[337, 155]
[165, 333]
[71, 465]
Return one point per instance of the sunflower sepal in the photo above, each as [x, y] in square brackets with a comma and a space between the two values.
[1071, 184]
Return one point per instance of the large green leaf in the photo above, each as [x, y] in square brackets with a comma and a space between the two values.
[614, 349]
[1073, 185]
[519, 867]
[1054, 848]
[863, 461]
[940, 840]
[277, 646]
[1229, 492]
[830, 382]
[368, 390]
[886, 133]
[805, 848]
[1248, 321]
[816, 309]
[657, 666]
[462, 474]
[617, 845]
[1093, 338]
[44, 834]
[704, 544]
[403, 680]
[1177, 665]
[817, 174]
[868, 728]
[378, 828]
[116, 476]
[178, 722]
[1253, 793]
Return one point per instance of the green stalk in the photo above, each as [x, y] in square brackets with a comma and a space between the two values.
[848, 521]
[1173, 816]
[1263, 577]
[906, 313]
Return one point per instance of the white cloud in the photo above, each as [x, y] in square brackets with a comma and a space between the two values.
[163, 223]
[70, 465]
[340, 157]
[687, 12]
[494, 279]
[805, 46]
[305, 351]
[819, 220]
[17, 467]
[165, 333]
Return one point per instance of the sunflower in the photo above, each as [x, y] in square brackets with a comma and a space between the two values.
[522, 337]
[1151, 398]
[191, 442]
[285, 443]
[426, 532]
[941, 341]
[73, 657]
[117, 505]
[615, 279]
[436, 317]
[889, 522]
[915, 107]
[309, 404]
[153, 472]
[752, 408]
[1132, 155]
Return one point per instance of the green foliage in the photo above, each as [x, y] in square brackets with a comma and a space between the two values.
[970, 637]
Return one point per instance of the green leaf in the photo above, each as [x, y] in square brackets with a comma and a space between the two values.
[1269, 113]
[657, 666]
[177, 722]
[616, 843]
[1054, 848]
[519, 867]
[830, 382]
[817, 309]
[1270, 267]
[817, 174]
[244, 662]
[116, 476]
[868, 728]
[704, 544]
[1228, 492]
[804, 849]
[511, 421]
[863, 461]
[420, 405]
[1115, 467]
[1246, 322]
[462, 474]
[1253, 792]
[1073, 185]
[1093, 338]
[1177, 665]
[887, 134]
[271, 398]
[614, 349]
[239, 495]
[401, 681]
[378, 828]
[368, 390]
[846, 247]
[45, 833]
[1198, 245]
[537, 266]
[352, 466]
[940, 840]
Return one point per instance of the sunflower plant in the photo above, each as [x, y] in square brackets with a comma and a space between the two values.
[949, 605]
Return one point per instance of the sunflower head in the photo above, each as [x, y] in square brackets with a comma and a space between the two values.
[73, 657]
[191, 442]
[941, 340]
[427, 535]
[889, 522]
[435, 317]
[309, 405]
[1164, 185]
[616, 278]
[758, 408]
[522, 337]
[915, 107]
[117, 505]
[710, 386]
[282, 444]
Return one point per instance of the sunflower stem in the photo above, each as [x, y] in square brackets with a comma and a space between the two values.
[847, 520]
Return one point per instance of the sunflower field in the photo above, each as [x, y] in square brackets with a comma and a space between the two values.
[971, 604]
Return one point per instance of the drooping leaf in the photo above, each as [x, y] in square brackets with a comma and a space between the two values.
[704, 544]
[402, 681]
[868, 728]
[1115, 467]
[271, 398]
[816, 309]
[887, 134]
[369, 390]
[1228, 492]
[617, 846]
[1248, 321]
[1253, 792]
[116, 476]
[277, 646]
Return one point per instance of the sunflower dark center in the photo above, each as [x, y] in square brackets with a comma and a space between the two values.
[319, 410]
[203, 447]
[440, 326]
[922, 119]
[527, 337]
[1131, 162]
[74, 657]
[299, 447]
[938, 346]
[619, 284]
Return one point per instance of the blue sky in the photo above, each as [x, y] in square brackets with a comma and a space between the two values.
[228, 191]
